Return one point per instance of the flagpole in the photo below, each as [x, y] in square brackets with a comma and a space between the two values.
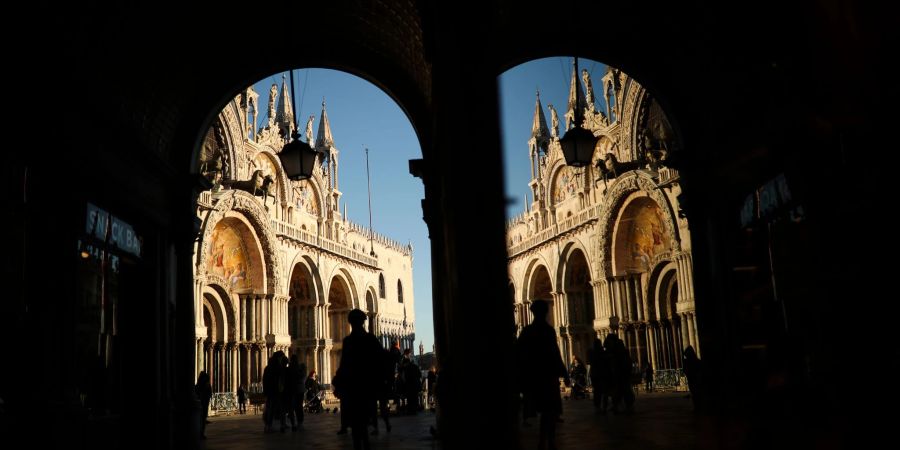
[369, 188]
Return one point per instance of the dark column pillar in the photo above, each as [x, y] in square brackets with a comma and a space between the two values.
[465, 211]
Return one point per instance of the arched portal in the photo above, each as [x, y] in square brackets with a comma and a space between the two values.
[216, 345]
[670, 326]
[540, 288]
[235, 270]
[580, 305]
[640, 235]
[372, 313]
[302, 313]
[340, 302]
[235, 255]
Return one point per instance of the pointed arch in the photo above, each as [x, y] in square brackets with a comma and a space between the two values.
[229, 120]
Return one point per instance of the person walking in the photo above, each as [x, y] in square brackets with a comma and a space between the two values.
[242, 400]
[540, 367]
[203, 389]
[431, 379]
[693, 375]
[293, 391]
[357, 378]
[601, 376]
[385, 386]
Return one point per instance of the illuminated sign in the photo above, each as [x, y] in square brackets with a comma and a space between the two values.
[112, 230]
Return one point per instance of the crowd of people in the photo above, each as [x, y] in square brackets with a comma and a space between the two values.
[612, 374]
[369, 377]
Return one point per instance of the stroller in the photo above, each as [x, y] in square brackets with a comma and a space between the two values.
[314, 402]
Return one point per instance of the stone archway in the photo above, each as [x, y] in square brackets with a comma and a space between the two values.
[540, 287]
[372, 312]
[216, 345]
[302, 312]
[340, 302]
[579, 297]
[623, 191]
[663, 321]
[239, 204]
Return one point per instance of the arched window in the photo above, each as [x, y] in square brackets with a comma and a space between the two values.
[381, 285]
[399, 291]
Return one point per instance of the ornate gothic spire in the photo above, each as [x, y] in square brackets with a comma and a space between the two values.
[323, 137]
[539, 130]
[284, 112]
[576, 98]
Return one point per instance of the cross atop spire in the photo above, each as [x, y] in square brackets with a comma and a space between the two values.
[284, 112]
[323, 137]
[577, 101]
[539, 131]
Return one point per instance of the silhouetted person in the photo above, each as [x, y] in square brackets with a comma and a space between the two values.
[385, 389]
[204, 393]
[412, 382]
[344, 424]
[357, 377]
[648, 376]
[242, 400]
[692, 372]
[540, 368]
[601, 376]
[578, 374]
[312, 386]
[293, 391]
[622, 392]
[432, 379]
[273, 388]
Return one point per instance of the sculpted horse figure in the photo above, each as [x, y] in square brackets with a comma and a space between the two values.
[256, 185]
[610, 167]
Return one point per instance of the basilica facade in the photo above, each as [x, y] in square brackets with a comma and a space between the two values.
[607, 244]
[277, 266]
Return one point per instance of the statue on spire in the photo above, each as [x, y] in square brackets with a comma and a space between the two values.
[309, 126]
[588, 89]
[273, 93]
[554, 121]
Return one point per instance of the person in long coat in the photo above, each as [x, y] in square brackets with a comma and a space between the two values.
[356, 382]
[540, 368]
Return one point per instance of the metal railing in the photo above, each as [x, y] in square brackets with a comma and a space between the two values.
[223, 402]
[669, 379]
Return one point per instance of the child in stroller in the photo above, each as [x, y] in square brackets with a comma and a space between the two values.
[314, 401]
[315, 396]
[578, 374]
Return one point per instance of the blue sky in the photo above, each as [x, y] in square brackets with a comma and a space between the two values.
[517, 94]
[361, 115]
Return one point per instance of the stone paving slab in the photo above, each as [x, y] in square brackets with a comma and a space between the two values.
[659, 420]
